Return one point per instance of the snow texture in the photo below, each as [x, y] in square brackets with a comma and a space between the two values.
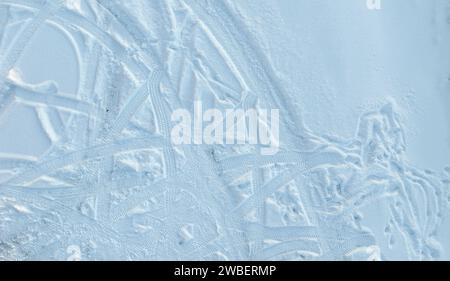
[88, 170]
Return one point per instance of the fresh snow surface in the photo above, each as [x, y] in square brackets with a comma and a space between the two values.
[88, 170]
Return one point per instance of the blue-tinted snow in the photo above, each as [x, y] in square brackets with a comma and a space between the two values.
[87, 169]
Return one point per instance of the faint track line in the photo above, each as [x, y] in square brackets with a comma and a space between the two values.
[14, 50]
[63, 102]
[85, 154]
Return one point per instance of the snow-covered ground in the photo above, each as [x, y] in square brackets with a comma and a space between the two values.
[88, 169]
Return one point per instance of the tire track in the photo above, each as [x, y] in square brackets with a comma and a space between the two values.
[16, 48]
[63, 102]
[85, 154]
